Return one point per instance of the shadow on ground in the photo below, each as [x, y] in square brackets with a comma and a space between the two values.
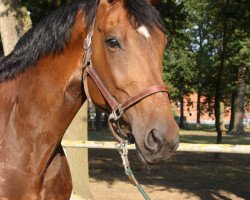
[200, 174]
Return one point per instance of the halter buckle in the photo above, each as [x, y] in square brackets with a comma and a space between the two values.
[87, 42]
[116, 113]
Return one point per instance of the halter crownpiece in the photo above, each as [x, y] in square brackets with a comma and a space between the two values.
[117, 109]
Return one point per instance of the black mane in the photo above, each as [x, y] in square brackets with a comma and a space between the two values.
[144, 14]
[52, 34]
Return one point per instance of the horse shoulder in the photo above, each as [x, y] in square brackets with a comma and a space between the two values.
[7, 106]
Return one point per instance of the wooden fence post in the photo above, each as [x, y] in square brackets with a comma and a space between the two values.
[78, 158]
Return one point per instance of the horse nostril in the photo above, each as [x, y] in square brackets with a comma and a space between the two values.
[153, 141]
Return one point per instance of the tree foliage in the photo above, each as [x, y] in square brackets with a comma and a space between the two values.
[40, 8]
[208, 46]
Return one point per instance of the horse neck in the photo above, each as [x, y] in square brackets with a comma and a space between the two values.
[43, 102]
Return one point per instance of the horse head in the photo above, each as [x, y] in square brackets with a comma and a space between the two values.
[127, 50]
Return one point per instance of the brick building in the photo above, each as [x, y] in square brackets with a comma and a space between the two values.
[207, 111]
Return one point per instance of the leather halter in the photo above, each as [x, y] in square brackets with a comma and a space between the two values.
[117, 109]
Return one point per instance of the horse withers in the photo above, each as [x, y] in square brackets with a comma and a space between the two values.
[41, 90]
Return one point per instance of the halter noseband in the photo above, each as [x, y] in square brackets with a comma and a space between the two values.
[117, 109]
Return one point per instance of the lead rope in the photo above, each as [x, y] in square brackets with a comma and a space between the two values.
[122, 149]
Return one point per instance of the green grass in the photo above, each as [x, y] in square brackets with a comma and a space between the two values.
[209, 136]
[186, 136]
[205, 127]
[200, 139]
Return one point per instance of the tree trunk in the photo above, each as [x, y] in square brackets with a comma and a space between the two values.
[78, 158]
[238, 127]
[232, 116]
[14, 22]
[217, 114]
[181, 123]
[199, 84]
[198, 119]
[222, 116]
[218, 96]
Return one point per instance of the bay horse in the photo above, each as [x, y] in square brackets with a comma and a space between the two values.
[41, 91]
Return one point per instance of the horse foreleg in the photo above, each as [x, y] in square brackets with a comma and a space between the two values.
[57, 184]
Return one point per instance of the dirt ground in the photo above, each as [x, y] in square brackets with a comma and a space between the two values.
[193, 176]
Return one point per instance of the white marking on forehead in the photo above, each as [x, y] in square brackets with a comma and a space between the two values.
[144, 31]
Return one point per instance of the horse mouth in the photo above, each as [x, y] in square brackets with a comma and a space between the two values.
[142, 159]
[152, 159]
[131, 140]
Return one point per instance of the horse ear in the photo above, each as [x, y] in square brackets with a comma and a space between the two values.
[153, 2]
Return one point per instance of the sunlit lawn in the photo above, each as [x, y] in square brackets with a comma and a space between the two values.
[204, 137]
[207, 136]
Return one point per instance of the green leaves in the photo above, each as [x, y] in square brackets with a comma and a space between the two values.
[202, 33]
[40, 8]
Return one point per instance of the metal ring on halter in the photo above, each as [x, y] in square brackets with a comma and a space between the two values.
[117, 113]
[115, 131]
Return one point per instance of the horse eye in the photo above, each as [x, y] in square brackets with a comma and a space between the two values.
[112, 43]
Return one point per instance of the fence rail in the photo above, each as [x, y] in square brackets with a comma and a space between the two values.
[184, 147]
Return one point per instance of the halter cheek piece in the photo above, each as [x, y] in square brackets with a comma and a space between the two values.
[117, 109]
